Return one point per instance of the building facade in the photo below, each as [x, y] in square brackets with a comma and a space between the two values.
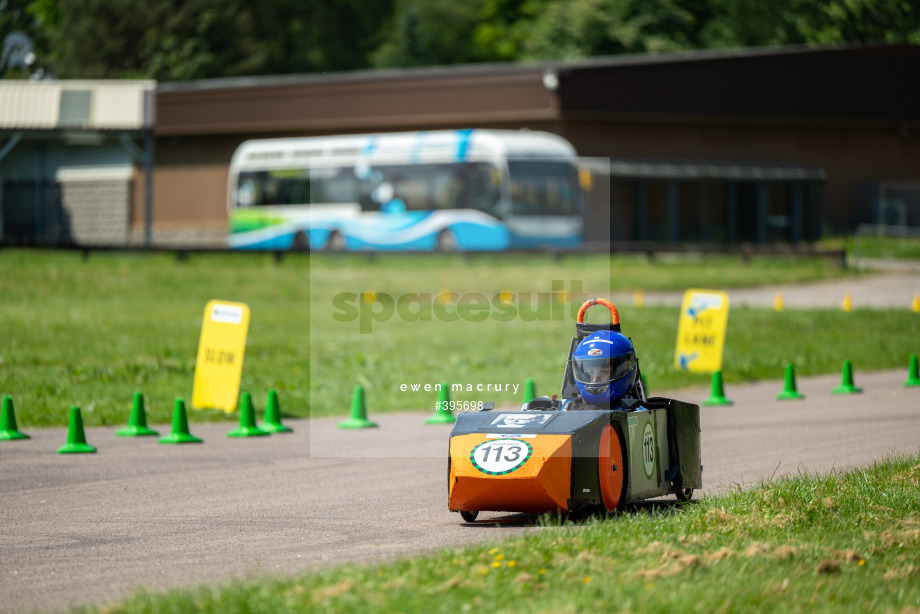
[71, 155]
[753, 146]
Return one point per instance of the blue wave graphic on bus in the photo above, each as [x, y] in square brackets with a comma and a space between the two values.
[468, 190]
[469, 230]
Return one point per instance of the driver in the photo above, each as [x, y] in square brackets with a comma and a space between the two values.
[604, 366]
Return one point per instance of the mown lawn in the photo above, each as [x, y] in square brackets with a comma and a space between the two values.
[92, 332]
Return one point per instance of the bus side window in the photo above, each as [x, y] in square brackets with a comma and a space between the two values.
[247, 193]
[484, 195]
[459, 193]
[367, 202]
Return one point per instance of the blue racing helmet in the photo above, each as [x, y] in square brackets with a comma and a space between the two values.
[604, 367]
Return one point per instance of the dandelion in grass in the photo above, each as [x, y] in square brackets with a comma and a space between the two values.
[499, 557]
[493, 551]
[586, 579]
[496, 564]
[542, 570]
[512, 563]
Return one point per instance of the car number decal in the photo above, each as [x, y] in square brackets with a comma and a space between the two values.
[500, 456]
[648, 449]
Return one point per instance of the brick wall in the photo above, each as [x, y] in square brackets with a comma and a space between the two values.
[98, 211]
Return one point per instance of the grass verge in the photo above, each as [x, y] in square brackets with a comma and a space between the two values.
[905, 247]
[846, 542]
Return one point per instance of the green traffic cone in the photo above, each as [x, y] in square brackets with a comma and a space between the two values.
[272, 418]
[789, 392]
[8, 429]
[358, 418]
[76, 438]
[913, 377]
[137, 424]
[530, 390]
[846, 385]
[717, 395]
[442, 414]
[180, 432]
[247, 426]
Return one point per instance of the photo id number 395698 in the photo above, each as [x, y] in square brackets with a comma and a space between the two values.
[458, 406]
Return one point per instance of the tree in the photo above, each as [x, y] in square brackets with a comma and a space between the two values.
[503, 27]
[429, 32]
[317, 35]
[123, 39]
[882, 21]
[196, 39]
[753, 24]
[16, 17]
[569, 29]
[735, 23]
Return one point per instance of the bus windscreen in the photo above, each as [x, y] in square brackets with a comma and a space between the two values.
[543, 188]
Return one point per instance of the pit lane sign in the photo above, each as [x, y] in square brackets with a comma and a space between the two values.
[220, 355]
[701, 331]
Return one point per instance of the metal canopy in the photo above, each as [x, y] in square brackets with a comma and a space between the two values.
[718, 170]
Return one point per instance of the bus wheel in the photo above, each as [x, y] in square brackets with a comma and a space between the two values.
[468, 516]
[336, 242]
[300, 243]
[447, 242]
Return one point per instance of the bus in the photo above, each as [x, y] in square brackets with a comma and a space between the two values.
[463, 190]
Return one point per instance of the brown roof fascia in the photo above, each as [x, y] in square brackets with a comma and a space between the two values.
[464, 99]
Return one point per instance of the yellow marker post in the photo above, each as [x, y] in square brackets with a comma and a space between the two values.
[701, 331]
[220, 355]
[639, 298]
[778, 301]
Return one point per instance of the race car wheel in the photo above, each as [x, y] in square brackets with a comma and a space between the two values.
[469, 516]
[683, 494]
[612, 469]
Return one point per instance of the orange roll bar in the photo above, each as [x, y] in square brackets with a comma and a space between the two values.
[615, 316]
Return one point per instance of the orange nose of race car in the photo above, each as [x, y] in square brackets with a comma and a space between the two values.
[526, 473]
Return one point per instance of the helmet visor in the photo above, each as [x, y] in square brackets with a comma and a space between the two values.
[603, 369]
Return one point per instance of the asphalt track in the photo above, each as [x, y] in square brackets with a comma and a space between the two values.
[90, 528]
[889, 290]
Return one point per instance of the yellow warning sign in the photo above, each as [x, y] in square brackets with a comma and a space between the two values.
[701, 331]
[220, 355]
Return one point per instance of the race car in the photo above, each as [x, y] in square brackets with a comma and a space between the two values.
[598, 447]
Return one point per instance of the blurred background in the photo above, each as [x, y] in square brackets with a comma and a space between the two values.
[711, 122]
